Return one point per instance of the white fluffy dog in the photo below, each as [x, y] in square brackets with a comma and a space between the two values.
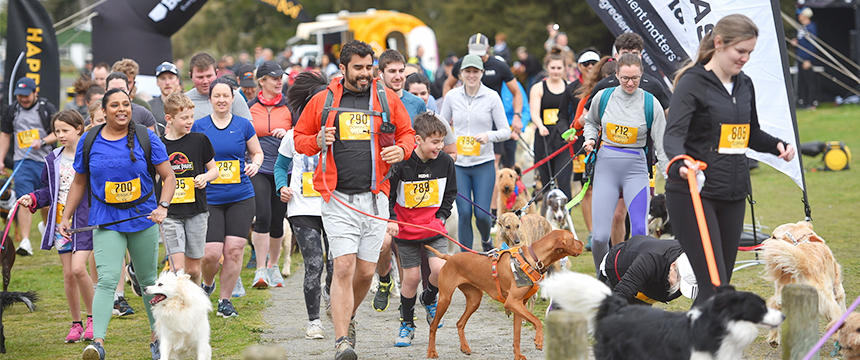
[181, 311]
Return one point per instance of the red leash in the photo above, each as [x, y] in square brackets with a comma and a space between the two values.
[548, 158]
[344, 203]
[9, 221]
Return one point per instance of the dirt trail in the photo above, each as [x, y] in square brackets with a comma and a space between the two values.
[489, 331]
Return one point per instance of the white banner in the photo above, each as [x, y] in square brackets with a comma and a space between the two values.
[689, 20]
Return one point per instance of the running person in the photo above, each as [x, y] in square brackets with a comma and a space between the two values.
[713, 119]
[271, 119]
[120, 187]
[74, 252]
[472, 109]
[231, 196]
[619, 117]
[545, 100]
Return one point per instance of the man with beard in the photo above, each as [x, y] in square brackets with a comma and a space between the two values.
[359, 125]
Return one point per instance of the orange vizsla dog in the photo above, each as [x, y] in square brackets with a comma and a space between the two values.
[473, 274]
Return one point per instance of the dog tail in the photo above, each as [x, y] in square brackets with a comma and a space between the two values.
[28, 298]
[782, 261]
[437, 253]
[576, 292]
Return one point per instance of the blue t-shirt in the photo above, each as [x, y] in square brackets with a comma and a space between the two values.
[230, 145]
[112, 170]
[413, 104]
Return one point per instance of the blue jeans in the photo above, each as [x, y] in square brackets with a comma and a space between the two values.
[475, 182]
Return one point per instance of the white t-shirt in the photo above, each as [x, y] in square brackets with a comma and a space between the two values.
[67, 174]
[301, 180]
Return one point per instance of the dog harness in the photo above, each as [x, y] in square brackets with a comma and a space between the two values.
[803, 239]
[512, 199]
[518, 262]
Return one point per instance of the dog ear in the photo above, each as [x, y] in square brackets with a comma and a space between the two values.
[725, 288]
[835, 333]
[518, 171]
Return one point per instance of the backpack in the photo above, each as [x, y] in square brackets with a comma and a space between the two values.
[142, 135]
[46, 110]
[383, 100]
[649, 119]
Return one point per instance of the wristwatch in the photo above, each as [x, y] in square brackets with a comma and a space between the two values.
[164, 204]
[518, 114]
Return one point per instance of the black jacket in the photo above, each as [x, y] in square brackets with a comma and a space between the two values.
[643, 264]
[699, 106]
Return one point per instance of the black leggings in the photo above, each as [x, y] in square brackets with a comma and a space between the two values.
[270, 208]
[725, 223]
[313, 244]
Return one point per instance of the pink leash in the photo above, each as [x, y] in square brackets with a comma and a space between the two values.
[832, 330]
[8, 225]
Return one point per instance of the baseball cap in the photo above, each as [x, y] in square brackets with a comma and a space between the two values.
[689, 286]
[478, 44]
[805, 11]
[472, 60]
[588, 56]
[25, 86]
[166, 67]
[269, 68]
[245, 72]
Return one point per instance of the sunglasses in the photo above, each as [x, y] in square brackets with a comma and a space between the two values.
[589, 63]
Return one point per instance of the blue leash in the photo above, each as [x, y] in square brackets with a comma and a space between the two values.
[477, 206]
[14, 171]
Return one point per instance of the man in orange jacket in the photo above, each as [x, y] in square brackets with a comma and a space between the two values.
[361, 139]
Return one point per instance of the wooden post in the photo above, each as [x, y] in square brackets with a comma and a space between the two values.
[566, 336]
[800, 328]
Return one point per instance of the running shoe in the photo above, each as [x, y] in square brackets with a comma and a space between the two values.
[135, 285]
[314, 330]
[209, 289]
[405, 335]
[344, 350]
[350, 332]
[226, 309]
[431, 311]
[76, 333]
[275, 278]
[88, 330]
[94, 351]
[121, 307]
[327, 300]
[239, 289]
[154, 350]
[25, 248]
[260, 279]
[380, 299]
[252, 262]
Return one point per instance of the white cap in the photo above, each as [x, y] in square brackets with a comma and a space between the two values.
[686, 276]
[588, 56]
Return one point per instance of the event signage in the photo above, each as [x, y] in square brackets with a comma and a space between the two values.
[32, 45]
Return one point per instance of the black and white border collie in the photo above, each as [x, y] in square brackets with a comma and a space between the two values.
[721, 328]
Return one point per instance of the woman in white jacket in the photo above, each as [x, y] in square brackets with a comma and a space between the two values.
[472, 110]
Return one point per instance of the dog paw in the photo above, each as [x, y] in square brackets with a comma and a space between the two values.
[466, 349]
[431, 354]
[519, 357]
[539, 344]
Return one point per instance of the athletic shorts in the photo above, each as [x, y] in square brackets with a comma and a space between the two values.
[29, 176]
[350, 232]
[409, 251]
[186, 235]
[231, 219]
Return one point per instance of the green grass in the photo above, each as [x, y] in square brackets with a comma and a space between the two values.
[39, 335]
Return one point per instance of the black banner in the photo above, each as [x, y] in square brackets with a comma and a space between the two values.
[139, 30]
[30, 32]
[291, 8]
[663, 54]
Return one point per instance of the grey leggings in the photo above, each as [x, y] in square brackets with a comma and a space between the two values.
[313, 244]
[618, 172]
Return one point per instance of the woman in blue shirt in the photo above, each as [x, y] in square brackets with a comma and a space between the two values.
[121, 187]
[231, 195]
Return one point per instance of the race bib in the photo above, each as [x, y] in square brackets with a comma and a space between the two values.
[419, 194]
[579, 164]
[184, 192]
[467, 145]
[228, 172]
[308, 185]
[354, 126]
[60, 208]
[621, 134]
[122, 192]
[26, 138]
[734, 138]
[550, 116]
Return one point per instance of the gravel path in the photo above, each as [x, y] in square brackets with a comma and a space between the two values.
[489, 330]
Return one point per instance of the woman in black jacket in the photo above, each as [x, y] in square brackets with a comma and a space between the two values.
[712, 117]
